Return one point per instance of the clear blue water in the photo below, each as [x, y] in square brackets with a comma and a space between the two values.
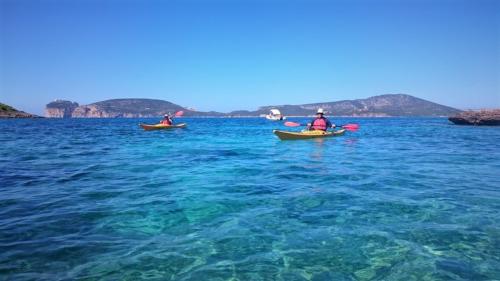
[401, 199]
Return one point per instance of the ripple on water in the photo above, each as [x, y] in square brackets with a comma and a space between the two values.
[401, 199]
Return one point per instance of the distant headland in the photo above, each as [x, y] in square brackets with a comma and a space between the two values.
[7, 111]
[378, 106]
[116, 108]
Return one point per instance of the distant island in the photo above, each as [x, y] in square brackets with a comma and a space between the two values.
[377, 106]
[7, 111]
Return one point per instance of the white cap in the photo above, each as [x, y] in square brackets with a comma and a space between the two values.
[320, 111]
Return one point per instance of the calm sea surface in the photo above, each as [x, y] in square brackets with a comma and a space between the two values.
[224, 199]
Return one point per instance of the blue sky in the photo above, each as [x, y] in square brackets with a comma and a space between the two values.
[228, 55]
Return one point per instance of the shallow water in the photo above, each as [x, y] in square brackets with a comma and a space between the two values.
[401, 199]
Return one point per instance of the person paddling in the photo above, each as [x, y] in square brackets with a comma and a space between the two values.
[167, 120]
[320, 122]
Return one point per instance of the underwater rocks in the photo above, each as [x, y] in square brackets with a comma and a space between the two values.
[483, 117]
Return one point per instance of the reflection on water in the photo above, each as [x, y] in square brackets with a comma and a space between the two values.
[317, 150]
[350, 141]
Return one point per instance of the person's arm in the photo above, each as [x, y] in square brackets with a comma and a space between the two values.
[329, 124]
[310, 124]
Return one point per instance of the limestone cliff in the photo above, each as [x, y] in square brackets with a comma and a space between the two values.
[90, 111]
[60, 109]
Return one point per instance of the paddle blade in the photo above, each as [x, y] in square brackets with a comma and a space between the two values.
[291, 124]
[351, 127]
[179, 113]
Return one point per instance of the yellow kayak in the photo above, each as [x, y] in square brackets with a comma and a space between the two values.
[161, 126]
[284, 135]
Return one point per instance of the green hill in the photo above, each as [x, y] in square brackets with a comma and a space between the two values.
[7, 111]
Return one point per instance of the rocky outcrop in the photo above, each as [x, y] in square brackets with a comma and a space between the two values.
[60, 109]
[91, 111]
[7, 111]
[482, 117]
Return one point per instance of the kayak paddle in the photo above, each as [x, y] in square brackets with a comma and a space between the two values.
[292, 124]
[349, 127]
[179, 113]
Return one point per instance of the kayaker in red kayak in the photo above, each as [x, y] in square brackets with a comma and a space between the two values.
[167, 120]
[320, 122]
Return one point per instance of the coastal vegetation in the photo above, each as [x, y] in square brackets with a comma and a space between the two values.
[7, 111]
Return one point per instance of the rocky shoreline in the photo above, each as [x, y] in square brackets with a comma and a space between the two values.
[477, 118]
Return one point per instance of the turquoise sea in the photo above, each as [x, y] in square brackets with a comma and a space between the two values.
[101, 199]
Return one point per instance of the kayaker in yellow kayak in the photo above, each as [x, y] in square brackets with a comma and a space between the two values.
[320, 122]
[167, 120]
